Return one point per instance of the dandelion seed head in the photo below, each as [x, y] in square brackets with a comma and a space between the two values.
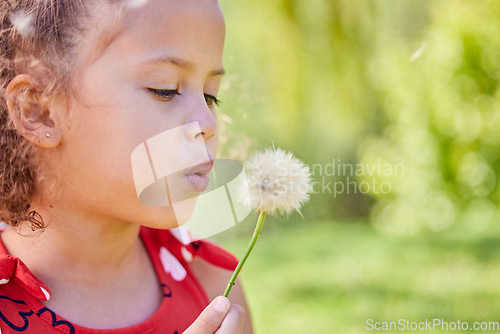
[277, 182]
[22, 22]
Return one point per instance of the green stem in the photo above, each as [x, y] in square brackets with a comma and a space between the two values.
[256, 233]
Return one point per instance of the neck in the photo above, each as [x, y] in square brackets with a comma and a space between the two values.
[81, 249]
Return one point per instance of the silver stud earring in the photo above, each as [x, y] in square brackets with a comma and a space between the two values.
[48, 135]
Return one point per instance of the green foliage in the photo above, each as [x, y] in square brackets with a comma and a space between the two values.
[375, 82]
[324, 277]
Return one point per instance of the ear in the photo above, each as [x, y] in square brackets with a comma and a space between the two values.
[32, 116]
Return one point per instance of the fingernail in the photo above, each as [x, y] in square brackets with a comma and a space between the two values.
[222, 304]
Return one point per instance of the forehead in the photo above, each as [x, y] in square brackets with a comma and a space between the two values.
[174, 26]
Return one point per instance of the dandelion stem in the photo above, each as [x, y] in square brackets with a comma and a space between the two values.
[256, 233]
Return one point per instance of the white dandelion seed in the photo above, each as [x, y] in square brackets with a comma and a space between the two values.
[136, 3]
[22, 22]
[277, 182]
[420, 51]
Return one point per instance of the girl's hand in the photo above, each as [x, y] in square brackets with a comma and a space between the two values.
[219, 317]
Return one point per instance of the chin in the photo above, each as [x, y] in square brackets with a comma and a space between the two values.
[168, 217]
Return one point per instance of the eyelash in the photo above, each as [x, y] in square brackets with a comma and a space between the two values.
[164, 94]
[170, 94]
[213, 100]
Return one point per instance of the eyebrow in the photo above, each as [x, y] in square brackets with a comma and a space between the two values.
[183, 64]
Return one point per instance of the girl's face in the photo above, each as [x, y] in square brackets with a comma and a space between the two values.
[161, 72]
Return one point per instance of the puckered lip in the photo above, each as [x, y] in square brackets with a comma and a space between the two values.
[200, 169]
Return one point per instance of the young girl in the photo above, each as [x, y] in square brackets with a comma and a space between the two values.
[85, 82]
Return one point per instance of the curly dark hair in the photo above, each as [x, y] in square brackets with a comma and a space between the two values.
[44, 49]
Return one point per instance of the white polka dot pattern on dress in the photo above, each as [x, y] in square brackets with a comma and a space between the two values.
[171, 265]
[46, 293]
[186, 254]
[4, 281]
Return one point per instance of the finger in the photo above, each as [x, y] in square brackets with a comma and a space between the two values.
[211, 318]
[233, 322]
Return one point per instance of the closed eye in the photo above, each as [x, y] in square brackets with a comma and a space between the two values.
[211, 100]
[163, 94]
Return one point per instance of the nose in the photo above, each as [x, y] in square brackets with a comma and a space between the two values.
[206, 119]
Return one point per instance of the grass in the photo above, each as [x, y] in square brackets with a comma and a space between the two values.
[326, 277]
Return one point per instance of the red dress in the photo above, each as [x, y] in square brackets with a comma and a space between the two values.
[21, 293]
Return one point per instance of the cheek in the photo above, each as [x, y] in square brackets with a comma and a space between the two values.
[100, 139]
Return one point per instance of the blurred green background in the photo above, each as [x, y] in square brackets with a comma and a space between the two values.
[395, 104]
